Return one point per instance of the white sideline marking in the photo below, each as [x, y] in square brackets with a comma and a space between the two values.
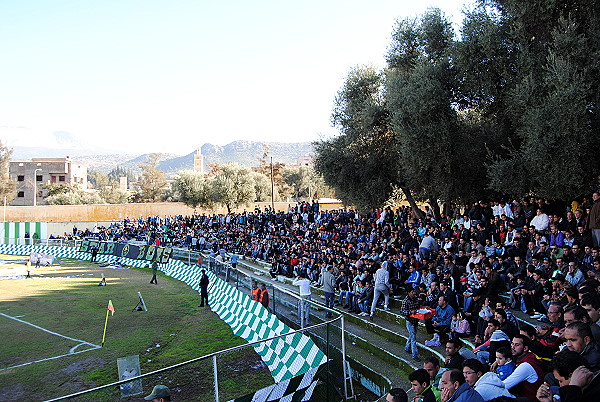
[71, 351]
[49, 358]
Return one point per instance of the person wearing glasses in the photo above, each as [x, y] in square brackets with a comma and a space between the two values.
[488, 384]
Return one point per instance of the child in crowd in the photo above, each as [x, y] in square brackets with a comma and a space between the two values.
[459, 327]
[485, 314]
[504, 364]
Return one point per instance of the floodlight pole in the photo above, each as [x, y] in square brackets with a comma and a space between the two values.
[272, 188]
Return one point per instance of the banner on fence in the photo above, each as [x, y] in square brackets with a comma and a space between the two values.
[145, 253]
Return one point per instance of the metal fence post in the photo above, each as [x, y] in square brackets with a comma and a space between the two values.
[328, 360]
[273, 303]
[216, 378]
[302, 307]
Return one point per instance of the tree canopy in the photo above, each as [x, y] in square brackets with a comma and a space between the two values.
[232, 186]
[152, 183]
[191, 189]
[508, 108]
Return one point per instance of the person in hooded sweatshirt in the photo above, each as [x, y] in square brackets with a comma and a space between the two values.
[456, 389]
[488, 384]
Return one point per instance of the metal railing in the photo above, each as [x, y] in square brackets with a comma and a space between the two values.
[20, 241]
[115, 387]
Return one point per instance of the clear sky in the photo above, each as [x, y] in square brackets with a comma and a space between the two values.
[169, 76]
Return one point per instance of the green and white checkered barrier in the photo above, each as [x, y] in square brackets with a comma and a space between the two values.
[286, 357]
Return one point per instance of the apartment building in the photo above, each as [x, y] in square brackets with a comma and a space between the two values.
[31, 176]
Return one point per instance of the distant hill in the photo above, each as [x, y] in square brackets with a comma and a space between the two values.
[245, 153]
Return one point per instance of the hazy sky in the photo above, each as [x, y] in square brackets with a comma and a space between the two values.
[169, 76]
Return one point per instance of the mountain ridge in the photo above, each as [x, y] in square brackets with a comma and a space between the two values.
[244, 152]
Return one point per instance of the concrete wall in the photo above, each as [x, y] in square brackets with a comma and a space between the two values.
[97, 213]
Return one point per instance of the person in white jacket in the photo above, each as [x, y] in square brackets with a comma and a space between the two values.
[487, 384]
[303, 305]
[541, 221]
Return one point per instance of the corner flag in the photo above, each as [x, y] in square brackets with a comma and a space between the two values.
[111, 308]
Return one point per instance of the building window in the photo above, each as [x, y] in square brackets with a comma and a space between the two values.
[38, 177]
[21, 194]
[20, 178]
[61, 178]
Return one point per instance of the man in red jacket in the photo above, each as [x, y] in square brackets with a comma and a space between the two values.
[528, 376]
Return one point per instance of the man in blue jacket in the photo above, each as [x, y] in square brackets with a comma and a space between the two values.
[440, 322]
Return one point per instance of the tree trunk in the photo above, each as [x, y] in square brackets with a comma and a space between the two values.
[413, 204]
[436, 209]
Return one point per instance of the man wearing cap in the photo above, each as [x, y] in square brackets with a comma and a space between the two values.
[160, 393]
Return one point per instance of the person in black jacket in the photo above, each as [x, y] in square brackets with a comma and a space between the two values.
[578, 337]
[203, 288]
[420, 383]
[576, 380]
[454, 359]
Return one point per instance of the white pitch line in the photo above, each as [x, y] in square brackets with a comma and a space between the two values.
[51, 358]
[50, 332]
[71, 351]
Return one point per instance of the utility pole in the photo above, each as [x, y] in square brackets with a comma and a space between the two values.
[272, 188]
[35, 185]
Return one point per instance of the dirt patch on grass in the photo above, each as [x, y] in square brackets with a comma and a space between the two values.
[84, 365]
[12, 393]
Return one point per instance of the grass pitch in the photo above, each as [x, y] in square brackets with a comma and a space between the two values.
[68, 308]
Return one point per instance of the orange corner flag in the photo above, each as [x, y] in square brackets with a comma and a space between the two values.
[111, 307]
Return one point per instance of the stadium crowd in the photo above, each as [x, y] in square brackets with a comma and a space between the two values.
[472, 267]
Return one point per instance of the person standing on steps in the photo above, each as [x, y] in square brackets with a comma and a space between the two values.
[382, 287]
[410, 305]
[329, 283]
[203, 288]
[303, 305]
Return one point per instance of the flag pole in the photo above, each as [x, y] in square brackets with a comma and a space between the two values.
[105, 324]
